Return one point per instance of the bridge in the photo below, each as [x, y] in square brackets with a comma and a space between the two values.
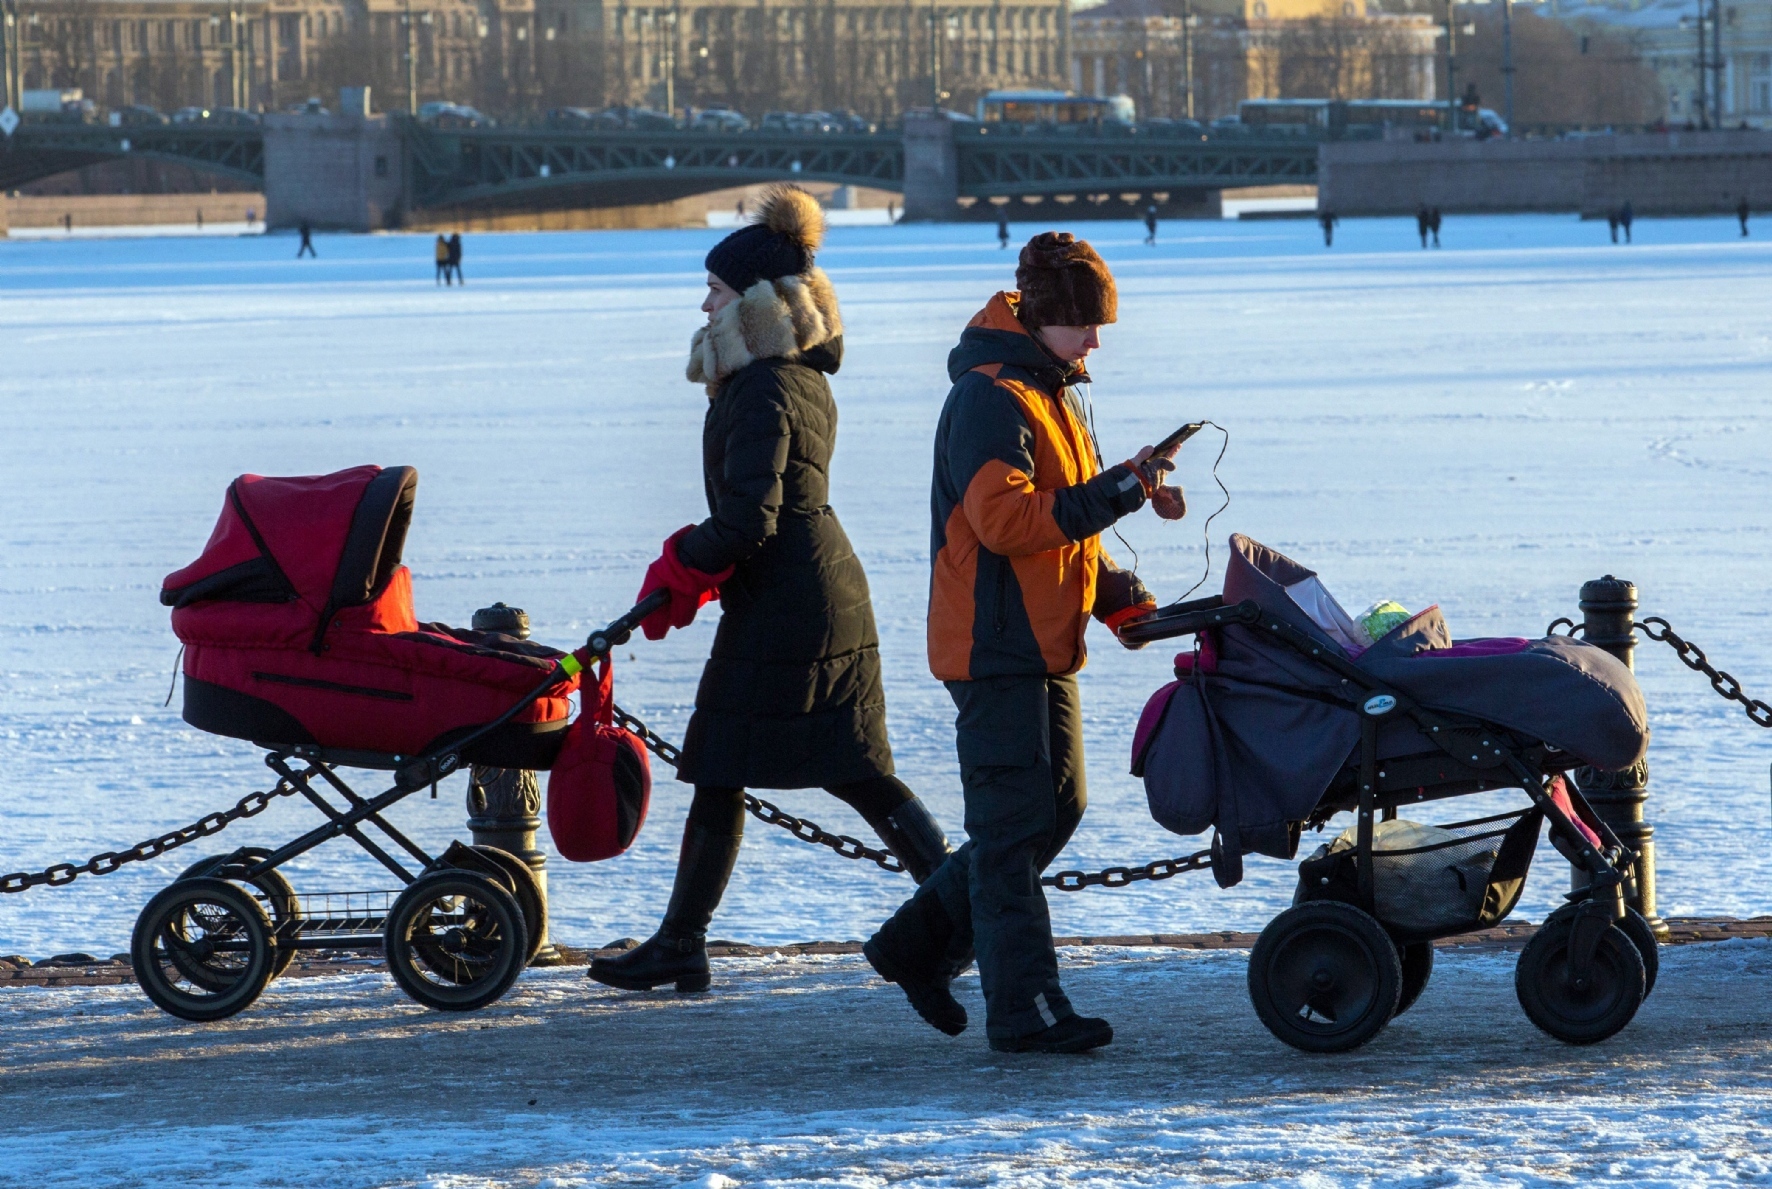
[40, 149]
[372, 172]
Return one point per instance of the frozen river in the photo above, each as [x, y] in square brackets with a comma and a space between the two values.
[1483, 427]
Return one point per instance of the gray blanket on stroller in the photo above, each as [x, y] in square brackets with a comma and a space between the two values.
[1249, 741]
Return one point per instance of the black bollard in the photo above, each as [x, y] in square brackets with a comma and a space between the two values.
[504, 804]
[1608, 616]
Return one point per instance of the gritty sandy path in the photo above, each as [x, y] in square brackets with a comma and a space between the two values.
[809, 1071]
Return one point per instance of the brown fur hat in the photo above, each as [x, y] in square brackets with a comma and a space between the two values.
[1064, 283]
[781, 243]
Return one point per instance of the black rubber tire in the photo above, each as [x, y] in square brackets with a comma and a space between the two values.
[184, 919]
[1635, 927]
[275, 893]
[1325, 977]
[1417, 960]
[1575, 1015]
[455, 940]
[528, 893]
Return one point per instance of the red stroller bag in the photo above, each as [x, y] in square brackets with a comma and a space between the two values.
[299, 629]
[601, 783]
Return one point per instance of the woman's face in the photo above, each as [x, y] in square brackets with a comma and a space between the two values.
[1071, 343]
[720, 295]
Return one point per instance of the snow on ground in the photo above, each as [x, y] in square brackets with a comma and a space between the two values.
[809, 1072]
[1484, 427]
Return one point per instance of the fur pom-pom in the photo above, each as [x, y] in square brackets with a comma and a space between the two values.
[788, 210]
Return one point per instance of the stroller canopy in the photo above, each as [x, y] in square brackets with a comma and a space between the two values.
[330, 541]
[1251, 739]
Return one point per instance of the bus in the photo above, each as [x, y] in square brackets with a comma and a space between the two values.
[1054, 107]
[1336, 118]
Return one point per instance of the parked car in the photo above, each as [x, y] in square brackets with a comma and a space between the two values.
[452, 115]
[573, 118]
[190, 115]
[848, 121]
[136, 114]
[233, 117]
[719, 119]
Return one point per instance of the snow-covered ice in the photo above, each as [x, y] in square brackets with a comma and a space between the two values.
[809, 1072]
[1484, 427]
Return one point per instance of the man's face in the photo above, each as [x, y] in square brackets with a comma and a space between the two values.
[1070, 343]
[720, 295]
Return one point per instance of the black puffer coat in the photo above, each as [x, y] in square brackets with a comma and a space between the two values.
[791, 696]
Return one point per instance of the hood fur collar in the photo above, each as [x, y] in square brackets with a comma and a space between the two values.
[778, 319]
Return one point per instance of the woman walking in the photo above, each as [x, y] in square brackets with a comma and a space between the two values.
[791, 696]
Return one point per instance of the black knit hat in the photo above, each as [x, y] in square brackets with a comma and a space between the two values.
[788, 230]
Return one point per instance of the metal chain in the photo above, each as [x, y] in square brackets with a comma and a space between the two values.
[1119, 877]
[61, 874]
[1692, 656]
[799, 827]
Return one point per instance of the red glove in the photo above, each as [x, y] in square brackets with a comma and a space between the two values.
[690, 590]
[1126, 615]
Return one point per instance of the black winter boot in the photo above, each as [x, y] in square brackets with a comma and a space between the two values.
[910, 949]
[912, 834]
[677, 953]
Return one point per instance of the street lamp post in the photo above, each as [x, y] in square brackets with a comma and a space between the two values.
[1716, 60]
[670, 65]
[934, 59]
[1451, 67]
[411, 62]
[1703, 80]
[1507, 63]
[6, 96]
[1188, 20]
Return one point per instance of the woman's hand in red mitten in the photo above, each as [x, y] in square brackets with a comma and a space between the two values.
[690, 590]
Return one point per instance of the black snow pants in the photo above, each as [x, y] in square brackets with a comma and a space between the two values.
[1020, 742]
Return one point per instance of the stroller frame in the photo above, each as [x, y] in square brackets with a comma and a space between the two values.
[455, 936]
[1587, 969]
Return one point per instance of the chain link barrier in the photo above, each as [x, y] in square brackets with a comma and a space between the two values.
[853, 848]
[59, 875]
[1692, 656]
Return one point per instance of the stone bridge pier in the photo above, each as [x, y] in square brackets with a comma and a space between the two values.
[335, 172]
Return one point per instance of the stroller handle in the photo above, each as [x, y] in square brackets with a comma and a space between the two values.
[599, 642]
[1185, 619]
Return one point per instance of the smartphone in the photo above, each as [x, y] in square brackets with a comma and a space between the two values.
[1178, 437]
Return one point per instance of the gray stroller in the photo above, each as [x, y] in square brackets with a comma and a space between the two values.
[1277, 721]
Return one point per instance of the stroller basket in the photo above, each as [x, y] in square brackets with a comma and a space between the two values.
[1469, 877]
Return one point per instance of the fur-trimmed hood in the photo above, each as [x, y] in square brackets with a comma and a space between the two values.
[781, 319]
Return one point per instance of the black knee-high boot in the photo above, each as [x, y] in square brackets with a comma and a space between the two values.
[912, 834]
[677, 953]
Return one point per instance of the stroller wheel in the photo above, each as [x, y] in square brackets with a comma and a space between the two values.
[1418, 966]
[1574, 1013]
[274, 892]
[1325, 977]
[455, 940]
[202, 949]
[515, 876]
[1635, 927]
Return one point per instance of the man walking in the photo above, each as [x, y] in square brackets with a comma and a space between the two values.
[1742, 212]
[441, 252]
[1433, 224]
[455, 257]
[1150, 225]
[1327, 221]
[307, 242]
[1422, 221]
[1019, 501]
[1626, 216]
[1002, 228]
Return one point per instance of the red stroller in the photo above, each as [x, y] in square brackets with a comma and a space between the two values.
[300, 636]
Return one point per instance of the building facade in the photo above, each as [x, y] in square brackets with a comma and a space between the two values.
[1736, 85]
[1200, 58]
[516, 56]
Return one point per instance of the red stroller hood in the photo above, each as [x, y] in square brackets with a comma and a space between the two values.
[329, 541]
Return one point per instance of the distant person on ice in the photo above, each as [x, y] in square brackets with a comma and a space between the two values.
[442, 255]
[1327, 221]
[1150, 225]
[1002, 228]
[1019, 502]
[307, 242]
[455, 257]
[1742, 212]
[791, 696]
[1423, 222]
[1433, 224]
[1626, 217]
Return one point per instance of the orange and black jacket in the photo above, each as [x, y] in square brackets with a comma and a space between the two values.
[1018, 501]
